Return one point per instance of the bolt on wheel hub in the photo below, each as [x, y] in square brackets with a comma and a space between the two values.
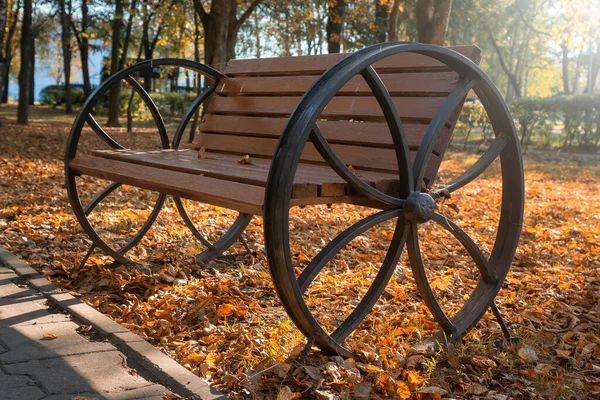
[419, 207]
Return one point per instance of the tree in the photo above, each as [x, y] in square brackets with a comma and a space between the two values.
[221, 26]
[115, 92]
[10, 46]
[82, 37]
[3, 15]
[335, 19]
[432, 20]
[393, 28]
[149, 15]
[66, 13]
[23, 109]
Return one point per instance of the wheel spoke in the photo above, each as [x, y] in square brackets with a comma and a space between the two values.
[474, 170]
[488, 275]
[188, 222]
[416, 263]
[102, 133]
[100, 196]
[328, 252]
[147, 225]
[189, 113]
[436, 125]
[158, 119]
[395, 125]
[366, 304]
[345, 173]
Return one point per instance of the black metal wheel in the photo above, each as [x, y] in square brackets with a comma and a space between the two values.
[411, 207]
[82, 212]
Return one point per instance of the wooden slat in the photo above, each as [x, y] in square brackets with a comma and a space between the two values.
[233, 195]
[310, 180]
[373, 159]
[368, 134]
[409, 108]
[398, 84]
[318, 64]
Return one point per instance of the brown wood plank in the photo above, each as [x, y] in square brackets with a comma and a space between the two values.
[368, 134]
[373, 159]
[309, 181]
[318, 64]
[411, 108]
[232, 195]
[398, 84]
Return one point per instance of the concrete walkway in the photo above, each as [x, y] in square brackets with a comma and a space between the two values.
[46, 355]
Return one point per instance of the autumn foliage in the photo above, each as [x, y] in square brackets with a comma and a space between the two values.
[224, 322]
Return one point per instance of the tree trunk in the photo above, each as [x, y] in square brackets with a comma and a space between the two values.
[432, 20]
[221, 27]
[23, 109]
[115, 93]
[381, 21]
[127, 38]
[577, 74]
[32, 70]
[335, 20]
[84, 49]
[565, 68]
[216, 29]
[393, 29]
[594, 69]
[3, 15]
[65, 37]
[12, 28]
[195, 121]
[507, 71]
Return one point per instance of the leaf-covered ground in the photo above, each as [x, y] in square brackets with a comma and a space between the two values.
[224, 322]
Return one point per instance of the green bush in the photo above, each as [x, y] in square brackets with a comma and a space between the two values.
[565, 121]
[56, 95]
[559, 121]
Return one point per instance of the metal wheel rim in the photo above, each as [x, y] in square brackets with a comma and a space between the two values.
[286, 159]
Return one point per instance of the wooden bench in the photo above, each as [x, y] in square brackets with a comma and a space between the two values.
[369, 128]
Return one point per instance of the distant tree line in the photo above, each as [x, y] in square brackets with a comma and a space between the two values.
[531, 47]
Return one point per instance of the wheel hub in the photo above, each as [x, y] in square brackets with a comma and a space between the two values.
[419, 207]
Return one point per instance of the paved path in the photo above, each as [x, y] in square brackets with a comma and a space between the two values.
[33, 366]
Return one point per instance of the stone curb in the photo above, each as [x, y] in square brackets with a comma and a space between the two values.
[161, 367]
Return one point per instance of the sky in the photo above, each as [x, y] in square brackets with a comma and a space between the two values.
[43, 77]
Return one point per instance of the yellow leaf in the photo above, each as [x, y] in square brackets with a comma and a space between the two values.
[211, 358]
[195, 357]
[403, 390]
[50, 336]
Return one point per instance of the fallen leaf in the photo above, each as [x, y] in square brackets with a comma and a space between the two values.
[50, 336]
[527, 354]
[245, 160]
[403, 390]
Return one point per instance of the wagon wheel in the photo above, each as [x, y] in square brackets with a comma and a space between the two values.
[86, 116]
[410, 205]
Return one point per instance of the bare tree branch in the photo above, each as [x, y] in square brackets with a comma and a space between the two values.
[511, 76]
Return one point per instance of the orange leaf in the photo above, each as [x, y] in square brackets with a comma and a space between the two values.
[50, 336]
[403, 390]
[225, 310]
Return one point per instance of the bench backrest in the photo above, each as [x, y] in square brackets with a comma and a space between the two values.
[251, 107]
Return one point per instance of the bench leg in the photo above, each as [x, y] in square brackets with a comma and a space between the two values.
[507, 335]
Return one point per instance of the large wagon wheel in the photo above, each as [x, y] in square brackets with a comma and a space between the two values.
[410, 205]
[85, 116]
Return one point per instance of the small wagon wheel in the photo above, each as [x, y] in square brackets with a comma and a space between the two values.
[85, 116]
[410, 205]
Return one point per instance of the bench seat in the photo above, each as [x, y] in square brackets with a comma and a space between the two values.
[220, 179]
